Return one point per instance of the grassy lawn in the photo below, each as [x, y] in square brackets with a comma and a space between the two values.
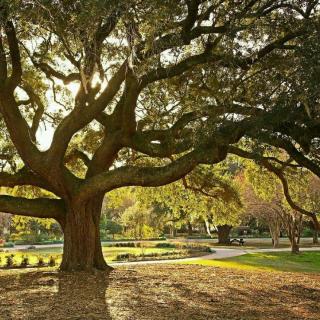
[110, 253]
[272, 261]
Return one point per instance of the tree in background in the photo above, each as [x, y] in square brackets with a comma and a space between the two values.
[209, 195]
[108, 226]
[312, 196]
[273, 202]
[266, 212]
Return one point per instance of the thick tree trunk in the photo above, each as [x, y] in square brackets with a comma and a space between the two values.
[82, 246]
[224, 234]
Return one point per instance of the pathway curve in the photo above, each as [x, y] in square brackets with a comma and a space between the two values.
[220, 253]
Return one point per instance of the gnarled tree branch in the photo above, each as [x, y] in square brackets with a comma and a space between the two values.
[39, 208]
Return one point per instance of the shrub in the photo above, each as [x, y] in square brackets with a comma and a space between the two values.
[196, 247]
[125, 256]
[200, 236]
[40, 262]
[8, 245]
[24, 262]
[52, 262]
[125, 244]
[158, 239]
[165, 245]
[9, 261]
[307, 232]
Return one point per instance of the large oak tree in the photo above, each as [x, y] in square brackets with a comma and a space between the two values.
[163, 87]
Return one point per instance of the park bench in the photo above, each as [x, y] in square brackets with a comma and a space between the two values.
[239, 241]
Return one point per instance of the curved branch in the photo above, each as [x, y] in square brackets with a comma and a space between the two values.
[16, 73]
[22, 178]
[151, 176]
[77, 154]
[3, 63]
[34, 99]
[51, 72]
[39, 208]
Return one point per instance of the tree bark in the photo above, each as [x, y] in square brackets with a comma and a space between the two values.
[224, 234]
[173, 230]
[275, 241]
[82, 245]
[294, 238]
[315, 239]
[294, 246]
[315, 232]
[275, 234]
[190, 230]
[207, 227]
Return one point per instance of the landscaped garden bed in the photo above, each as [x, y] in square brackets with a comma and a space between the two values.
[118, 252]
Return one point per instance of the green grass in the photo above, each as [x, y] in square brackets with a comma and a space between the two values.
[273, 261]
[110, 253]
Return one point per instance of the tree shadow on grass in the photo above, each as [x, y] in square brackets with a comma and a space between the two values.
[53, 295]
[158, 292]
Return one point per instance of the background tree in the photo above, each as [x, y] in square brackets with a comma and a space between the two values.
[266, 212]
[274, 204]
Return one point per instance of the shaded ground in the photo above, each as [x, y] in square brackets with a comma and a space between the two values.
[160, 292]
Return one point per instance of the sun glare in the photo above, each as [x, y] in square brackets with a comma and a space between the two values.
[73, 87]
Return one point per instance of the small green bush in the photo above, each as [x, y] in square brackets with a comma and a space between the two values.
[307, 232]
[52, 262]
[9, 261]
[8, 245]
[125, 256]
[125, 245]
[40, 262]
[165, 245]
[24, 262]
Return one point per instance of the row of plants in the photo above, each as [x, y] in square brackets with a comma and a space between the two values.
[149, 256]
[10, 262]
[163, 238]
[185, 246]
[164, 245]
[185, 251]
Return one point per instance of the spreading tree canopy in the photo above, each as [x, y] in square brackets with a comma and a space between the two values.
[161, 87]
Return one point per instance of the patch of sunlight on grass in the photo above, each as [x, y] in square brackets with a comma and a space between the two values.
[276, 261]
[226, 264]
